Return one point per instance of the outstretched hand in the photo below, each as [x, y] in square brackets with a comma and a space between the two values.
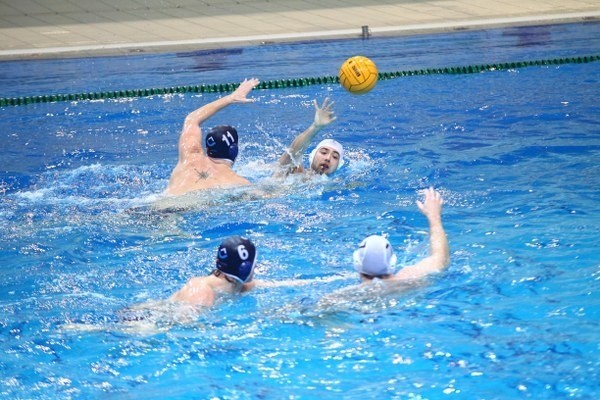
[239, 95]
[431, 206]
[324, 115]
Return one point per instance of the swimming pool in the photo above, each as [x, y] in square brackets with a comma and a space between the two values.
[515, 153]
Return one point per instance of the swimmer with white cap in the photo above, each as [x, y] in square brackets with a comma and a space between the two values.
[375, 256]
[326, 158]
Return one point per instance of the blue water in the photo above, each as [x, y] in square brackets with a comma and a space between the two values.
[516, 155]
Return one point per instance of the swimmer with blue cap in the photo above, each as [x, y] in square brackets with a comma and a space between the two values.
[233, 273]
[375, 258]
[199, 169]
[326, 158]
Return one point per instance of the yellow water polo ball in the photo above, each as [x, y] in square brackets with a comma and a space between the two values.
[358, 75]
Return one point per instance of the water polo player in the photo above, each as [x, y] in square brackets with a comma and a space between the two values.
[233, 273]
[199, 170]
[375, 256]
[326, 158]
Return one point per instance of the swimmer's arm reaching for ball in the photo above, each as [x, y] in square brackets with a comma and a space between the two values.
[439, 253]
[190, 140]
[324, 115]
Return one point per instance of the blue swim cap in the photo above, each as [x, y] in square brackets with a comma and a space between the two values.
[236, 258]
[222, 142]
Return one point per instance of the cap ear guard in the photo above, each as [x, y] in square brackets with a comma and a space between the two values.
[357, 259]
[245, 272]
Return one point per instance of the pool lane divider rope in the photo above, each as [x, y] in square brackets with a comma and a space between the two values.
[287, 83]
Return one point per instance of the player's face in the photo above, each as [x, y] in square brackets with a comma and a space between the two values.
[326, 161]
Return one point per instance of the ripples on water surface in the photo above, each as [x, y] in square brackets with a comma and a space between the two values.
[515, 153]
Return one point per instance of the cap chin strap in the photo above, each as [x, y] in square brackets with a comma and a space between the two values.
[225, 161]
[228, 277]
[233, 279]
[393, 262]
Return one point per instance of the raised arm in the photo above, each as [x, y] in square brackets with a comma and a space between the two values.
[324, 115]
[190, 140]
[439, 252]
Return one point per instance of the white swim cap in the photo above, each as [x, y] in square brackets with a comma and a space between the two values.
[332, 144]
[375, 257]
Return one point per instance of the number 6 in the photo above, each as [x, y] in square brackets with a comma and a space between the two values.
[242, 252]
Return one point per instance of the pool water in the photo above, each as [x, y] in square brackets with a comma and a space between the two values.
[515, 154]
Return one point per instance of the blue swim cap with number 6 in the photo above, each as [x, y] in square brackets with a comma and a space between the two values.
[236, 258]
[222, 142]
